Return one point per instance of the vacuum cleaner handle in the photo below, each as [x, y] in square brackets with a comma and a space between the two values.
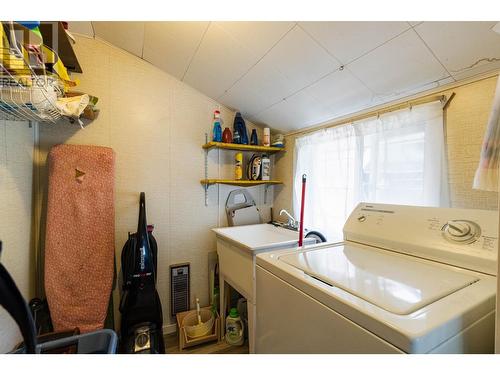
[143, 250]
[142, 213]
[12, 300]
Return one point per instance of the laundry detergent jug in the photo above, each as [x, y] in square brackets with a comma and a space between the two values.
[234, 328]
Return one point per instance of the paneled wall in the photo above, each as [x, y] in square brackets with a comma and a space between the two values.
[16, 170]
[156, 126]
[466, 119]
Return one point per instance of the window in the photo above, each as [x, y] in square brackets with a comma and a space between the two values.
[396, 158]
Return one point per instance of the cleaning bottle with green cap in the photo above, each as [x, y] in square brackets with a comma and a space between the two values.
[234, 328]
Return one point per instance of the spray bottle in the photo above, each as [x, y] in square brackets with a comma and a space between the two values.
[217, 131]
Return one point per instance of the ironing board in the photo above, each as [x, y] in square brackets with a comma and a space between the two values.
[80, 236]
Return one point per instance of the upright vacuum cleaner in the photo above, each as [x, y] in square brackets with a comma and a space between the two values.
[140, 306]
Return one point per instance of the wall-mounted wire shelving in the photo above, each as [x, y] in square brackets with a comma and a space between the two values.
[31, 87]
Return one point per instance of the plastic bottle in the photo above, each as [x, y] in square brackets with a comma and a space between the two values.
[236, 136]
[265, 168]
[238, 168]
[239, 124]
[227, 137]
[217, 132]
[267, 137]
[253, 138]
[234, 328]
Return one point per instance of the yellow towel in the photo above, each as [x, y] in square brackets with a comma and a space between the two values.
[51, 57]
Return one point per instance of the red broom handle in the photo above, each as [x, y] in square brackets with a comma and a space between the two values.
[301, 224]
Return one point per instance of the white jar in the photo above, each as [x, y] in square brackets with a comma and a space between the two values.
[266, 141]
[265, 166]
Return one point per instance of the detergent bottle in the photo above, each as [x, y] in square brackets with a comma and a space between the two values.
[238, 167]
[234, 328]
[217, 131]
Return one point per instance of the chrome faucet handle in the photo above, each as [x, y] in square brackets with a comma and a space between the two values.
[291, 221]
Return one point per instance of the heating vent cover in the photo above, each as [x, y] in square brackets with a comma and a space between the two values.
[179, 288]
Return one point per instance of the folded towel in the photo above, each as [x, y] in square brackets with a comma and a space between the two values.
[72, 106]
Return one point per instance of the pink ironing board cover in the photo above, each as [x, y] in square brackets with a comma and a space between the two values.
[80, 236]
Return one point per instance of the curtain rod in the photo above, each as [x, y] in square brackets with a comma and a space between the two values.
[438, 91]
[374, 113]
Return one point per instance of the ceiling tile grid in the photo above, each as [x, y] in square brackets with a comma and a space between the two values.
[350, 40]
[400, 64]
[341, 92]
[171, 45]
[257, 36]
[219, 61]
[263, 86]
[289, 75]
[296, 62]
[126, 35]
[465, 48]
[298, 110]
[300, 59]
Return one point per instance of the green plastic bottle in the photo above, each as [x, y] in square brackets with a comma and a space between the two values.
[234, 328]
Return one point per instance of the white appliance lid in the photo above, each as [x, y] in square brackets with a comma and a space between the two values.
[396, 283]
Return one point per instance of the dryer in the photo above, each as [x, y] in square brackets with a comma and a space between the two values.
[404, 280]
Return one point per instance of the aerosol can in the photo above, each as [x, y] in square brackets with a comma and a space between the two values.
[238, 166]
[266, 168]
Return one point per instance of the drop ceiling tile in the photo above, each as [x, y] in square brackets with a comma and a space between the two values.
[261, 87]
[341, 92]
[257, 36]
[126, 35]
[300, 59]
[298, 111]
[294, 63]
[460, 45]
[349, 40]
[402, 64]
[171, 45]
[81, 27]
[219, 62]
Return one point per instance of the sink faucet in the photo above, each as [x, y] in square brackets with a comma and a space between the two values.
[292, 223]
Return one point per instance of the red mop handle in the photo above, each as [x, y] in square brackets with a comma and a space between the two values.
[301, 224]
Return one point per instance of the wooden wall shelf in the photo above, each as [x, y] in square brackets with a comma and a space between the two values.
[213, 181]
[206, 182]
[238, 147]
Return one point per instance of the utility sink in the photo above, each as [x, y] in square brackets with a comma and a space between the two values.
[236, 248]
[259, 237]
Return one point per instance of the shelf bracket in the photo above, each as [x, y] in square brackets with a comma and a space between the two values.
[206, 171]
[266, 187]
[205, 187]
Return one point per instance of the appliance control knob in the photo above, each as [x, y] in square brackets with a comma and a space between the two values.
[462, 231]
[458, 229]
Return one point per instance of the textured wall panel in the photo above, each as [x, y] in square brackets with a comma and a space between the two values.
[156, 126]
[16, 170]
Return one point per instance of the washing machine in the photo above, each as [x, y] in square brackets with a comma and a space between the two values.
[404, 280]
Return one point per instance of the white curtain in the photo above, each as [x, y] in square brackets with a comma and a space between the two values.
[395, 158]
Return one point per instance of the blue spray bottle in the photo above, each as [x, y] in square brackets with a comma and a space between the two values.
[217, 131]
